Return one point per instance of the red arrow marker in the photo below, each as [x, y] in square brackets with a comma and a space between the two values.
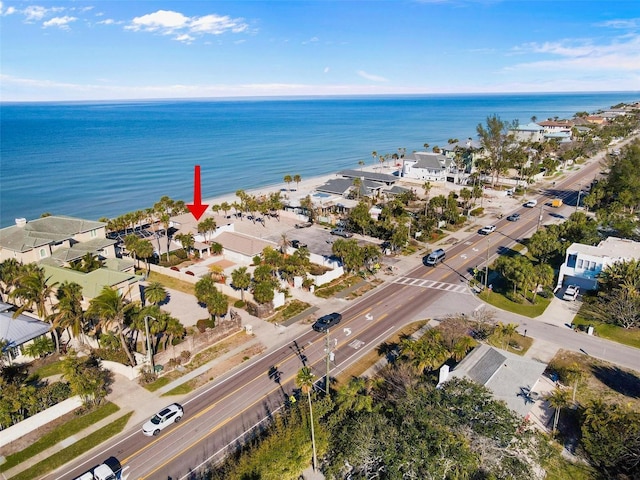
[197, 208]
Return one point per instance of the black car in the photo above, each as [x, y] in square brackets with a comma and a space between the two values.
[298, 244]
[514, 217]
[327, 321]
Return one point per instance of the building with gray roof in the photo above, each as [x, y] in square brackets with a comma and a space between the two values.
[510, 378]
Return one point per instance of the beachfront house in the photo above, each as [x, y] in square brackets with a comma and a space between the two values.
[583, 263]
[55, 243]
[16, 333]
[427, 166]
[530, 132]
[59, 237]
[464, 156]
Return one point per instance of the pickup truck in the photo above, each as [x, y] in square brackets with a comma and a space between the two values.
[109, 470]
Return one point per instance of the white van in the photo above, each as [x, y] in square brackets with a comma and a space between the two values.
[435, 257]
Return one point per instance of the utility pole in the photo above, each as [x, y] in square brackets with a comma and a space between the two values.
[539, 218]
[149, 352]
[578, 201]
[486, 266]
[326, 383]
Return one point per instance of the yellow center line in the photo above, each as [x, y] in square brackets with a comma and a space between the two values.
[210, 407]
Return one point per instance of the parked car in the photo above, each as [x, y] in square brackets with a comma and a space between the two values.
[514, 217]
[327, 321]
[298, 244]
[341, 232]
[487, 230]
[571, 293]
[170, 414]
[303, 225]
[531, 203]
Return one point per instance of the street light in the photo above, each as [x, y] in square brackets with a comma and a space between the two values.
[149, 352]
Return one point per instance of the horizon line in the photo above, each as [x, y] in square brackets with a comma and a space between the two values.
[321, 96]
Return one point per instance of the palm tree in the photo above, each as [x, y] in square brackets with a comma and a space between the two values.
[187, 241]
[110, 307]
[355, 396]
[241, 278]
[225, 207]
[506, 332]
[173, 329]
[165, 219]
[207, 226]
[10, 270]
[297, 179]
[155, 293]
[361, 163]
[35, 291]
[68, 312]
[287, 179]
[284, 243]
[131, 244]
[144, 250]
[574, 374]
[557, 399]
[305, 381]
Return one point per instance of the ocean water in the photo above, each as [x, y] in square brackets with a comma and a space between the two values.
[103, 159]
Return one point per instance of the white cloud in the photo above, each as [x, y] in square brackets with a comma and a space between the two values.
[217, 25]
[326, 69]
[627, 23]
[164, 20]
[60, 22]
[34, 13]
[373, 78]
[8, 11]
[622, 54]
[168, 22]
[107, 21]
[186, 38]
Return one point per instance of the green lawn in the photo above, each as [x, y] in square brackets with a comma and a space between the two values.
[63, 431]
[74, 451]
[626, 336]
[528, 310]
[45, 371]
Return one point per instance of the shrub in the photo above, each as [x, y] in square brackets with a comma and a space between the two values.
[216, 248]
[476, 212]
[174, 362]
[185, 355]
[147, 377]
[205, 323]
[112, 355]
[239, 304]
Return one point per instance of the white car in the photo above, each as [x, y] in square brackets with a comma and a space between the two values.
[571, 293]
[531, 203]
[161, 420]
[487, 230]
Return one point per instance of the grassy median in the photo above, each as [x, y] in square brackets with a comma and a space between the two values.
[74, 451]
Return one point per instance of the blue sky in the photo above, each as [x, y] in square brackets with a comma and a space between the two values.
[105, 50]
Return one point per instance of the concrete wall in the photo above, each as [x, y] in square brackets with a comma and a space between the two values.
[38, 420]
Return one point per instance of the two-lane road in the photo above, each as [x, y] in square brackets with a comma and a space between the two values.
[222, 415]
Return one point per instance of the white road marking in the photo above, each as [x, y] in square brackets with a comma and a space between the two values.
[421, 283]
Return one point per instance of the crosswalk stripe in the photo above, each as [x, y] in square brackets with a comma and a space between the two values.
[422, 283]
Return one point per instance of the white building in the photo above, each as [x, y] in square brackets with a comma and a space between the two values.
[583, 263]
[426, 166]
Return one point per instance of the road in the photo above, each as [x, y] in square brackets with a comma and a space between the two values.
[226, 412]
